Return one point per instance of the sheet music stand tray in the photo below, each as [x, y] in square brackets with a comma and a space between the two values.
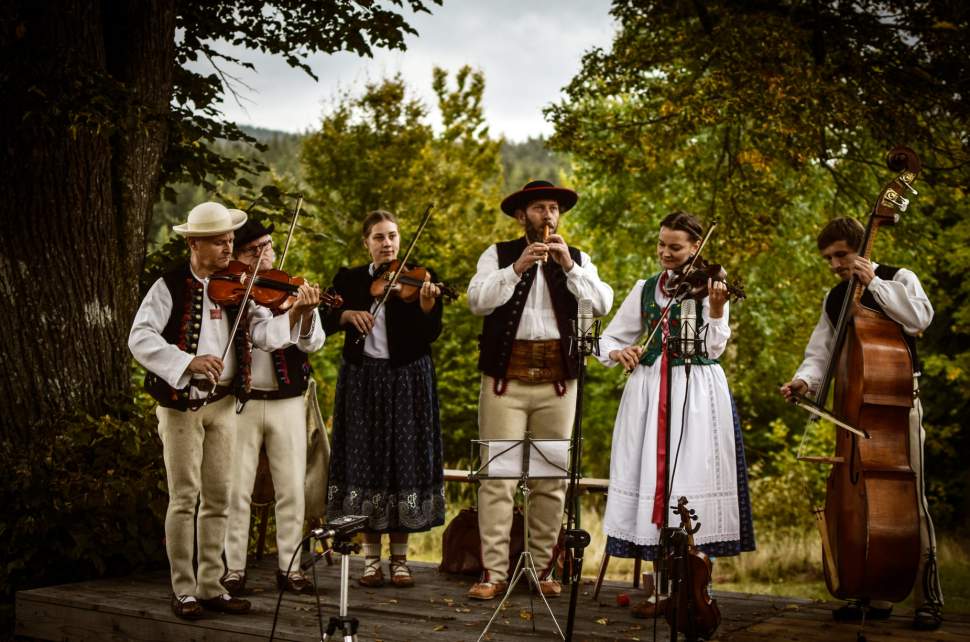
[515, 459]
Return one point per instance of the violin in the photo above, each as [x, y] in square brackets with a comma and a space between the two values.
[693, 277]
[697, 613]
[408, 284]
[274, 289]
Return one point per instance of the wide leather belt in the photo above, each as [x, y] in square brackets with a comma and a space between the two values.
[536, 362]
[269, 395]
[217, 394]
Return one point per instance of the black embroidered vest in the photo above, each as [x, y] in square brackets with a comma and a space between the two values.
[499, 327]
[833, 306]
[182, 330]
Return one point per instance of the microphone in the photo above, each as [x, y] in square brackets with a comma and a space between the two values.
[584, 317]
[688, 327]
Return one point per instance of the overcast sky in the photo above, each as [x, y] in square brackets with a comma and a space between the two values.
[528, 50]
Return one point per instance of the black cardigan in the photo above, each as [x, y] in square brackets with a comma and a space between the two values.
[410, 331]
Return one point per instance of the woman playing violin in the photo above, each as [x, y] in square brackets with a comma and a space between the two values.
[386, 461]
[706, 454]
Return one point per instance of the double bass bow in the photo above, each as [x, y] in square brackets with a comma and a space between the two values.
[870, 521]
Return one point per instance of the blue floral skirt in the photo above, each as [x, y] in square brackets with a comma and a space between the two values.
[386, 458]
[616, 547]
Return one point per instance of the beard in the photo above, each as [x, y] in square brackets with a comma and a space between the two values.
[534, 234]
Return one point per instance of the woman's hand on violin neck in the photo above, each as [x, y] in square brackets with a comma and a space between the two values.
[628, 357]
[207, 365]
[429, 295]
[559, 251]
[717, 293]
[362, 320]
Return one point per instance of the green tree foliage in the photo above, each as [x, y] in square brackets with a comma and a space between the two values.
[379, 150]
[773, 118]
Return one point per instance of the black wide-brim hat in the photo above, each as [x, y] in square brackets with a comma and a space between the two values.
[251, 231]
[539, 190]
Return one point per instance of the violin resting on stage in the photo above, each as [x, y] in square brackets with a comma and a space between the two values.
[696, 613]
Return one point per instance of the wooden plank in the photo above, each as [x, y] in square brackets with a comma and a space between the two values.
[137, 608]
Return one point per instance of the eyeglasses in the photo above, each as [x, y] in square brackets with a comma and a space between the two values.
[255, 250]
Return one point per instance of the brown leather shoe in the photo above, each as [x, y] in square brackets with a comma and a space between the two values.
[234, 582]
[187, 609]
[295, 582]
[487, 590]
[373, 576]
[400, 573]
[649, 610]
[550, 588]
[226, 603]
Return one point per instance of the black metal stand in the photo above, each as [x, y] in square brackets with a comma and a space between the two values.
[525, 567]
[583, 343]
[341, 622]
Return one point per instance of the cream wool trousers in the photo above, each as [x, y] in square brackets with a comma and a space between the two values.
[281, 424]
[197, 448]
[537, 408]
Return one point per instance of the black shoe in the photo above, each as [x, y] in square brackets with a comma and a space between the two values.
[927, 618]
[851, 612]
[186, 610]
[234, 583]
[294, 583]
[225, 603]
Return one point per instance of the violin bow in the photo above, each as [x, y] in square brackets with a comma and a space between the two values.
[397, 273]
[643, 343]
[235, 325]
[289, 236]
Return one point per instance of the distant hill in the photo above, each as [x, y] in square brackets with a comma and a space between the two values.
[521, 162]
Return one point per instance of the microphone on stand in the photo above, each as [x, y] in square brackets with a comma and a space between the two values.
[584, 317]
[688, 327]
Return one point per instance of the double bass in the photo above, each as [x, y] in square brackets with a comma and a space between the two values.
[870, 521]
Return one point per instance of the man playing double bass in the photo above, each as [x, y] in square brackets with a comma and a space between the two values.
[177, 335]
[897, 293]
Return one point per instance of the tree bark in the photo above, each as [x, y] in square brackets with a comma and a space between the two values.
[86, 90]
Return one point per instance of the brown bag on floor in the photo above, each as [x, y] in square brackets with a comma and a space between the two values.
[461, 546]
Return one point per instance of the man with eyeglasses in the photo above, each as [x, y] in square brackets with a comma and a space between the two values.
[528, 290]
[274, 416]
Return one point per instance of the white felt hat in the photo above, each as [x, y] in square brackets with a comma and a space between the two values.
[211, 219]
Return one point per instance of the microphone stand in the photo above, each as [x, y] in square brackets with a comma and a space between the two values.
[675, 571]
[585, 341]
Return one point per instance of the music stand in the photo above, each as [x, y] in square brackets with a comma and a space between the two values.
[515, 459]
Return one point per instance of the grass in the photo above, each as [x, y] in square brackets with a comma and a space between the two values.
[789, 566]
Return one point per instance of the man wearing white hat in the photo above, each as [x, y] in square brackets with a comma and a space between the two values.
[176, 335]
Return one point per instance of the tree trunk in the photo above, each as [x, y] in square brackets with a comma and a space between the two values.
[87, 87]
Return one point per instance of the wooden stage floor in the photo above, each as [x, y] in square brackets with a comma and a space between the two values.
[137, 608]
